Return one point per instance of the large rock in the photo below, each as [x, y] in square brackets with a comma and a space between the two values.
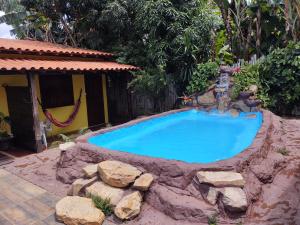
[117, 174]
[80, 184]
[74, 210]
[234, 199]
[143, 182]
[207, 99]
[221, 178]
[104, 191]
[90, 170]
[241, 106]
[129, 207]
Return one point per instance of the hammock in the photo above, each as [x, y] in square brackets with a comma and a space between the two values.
[70, 119]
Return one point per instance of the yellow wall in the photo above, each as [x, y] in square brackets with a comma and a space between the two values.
[62, 113]
[10, 80]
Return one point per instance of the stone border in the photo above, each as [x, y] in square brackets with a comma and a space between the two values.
[172, 172]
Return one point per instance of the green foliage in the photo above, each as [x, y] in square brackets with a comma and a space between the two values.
[151, 83]
[280, 78]
[212, 220]
[249, 75]
[283, 151]
[202, 77]
[153, 34]
[4, 123]
[224, 56]
[64, 138]
[83, 130]
[103, 204]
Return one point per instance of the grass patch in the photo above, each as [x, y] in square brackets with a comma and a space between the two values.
[283, 151]
[212, 220]
[103, 204]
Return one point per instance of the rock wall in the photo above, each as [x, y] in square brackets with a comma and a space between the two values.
[270, 175]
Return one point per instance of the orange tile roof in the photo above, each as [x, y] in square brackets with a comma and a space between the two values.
[28, 46]
[62, 64]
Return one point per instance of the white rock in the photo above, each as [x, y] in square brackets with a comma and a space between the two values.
[143, 182]
[129, 207]
[66, 145]
[234, 199]
[117, 174]
[253, 88]
[104, 191]
[221, 178]
[74, 210]
[79, 184]
[91, 170]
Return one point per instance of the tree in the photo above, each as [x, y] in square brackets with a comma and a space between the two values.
[171, 34]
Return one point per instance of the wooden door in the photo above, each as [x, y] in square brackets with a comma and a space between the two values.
[94, 100]
[21, 116]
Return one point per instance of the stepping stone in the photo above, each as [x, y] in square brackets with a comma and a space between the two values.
[80, 184]
[234, 199]
[221, 178]
[74, 210]
[66, 145]
[90, 170]
[143, 182]
[104, 191]
[129, 207]
[117, 174]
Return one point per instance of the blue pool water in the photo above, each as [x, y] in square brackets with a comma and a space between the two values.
[190, 136]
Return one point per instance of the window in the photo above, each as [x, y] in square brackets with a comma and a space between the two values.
[56, 90]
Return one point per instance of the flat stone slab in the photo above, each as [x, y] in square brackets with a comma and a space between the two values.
[221, 178]
[234, 199]
[117, 174]
[129, 207]
[90, 170]
[74, 210]
[143, 182]
[104, 191]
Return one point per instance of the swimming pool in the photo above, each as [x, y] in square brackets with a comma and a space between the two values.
[190, 136]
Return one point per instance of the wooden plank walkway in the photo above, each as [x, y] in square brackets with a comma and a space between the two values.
[23, 203]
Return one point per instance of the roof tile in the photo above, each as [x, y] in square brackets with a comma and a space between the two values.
[46, 47]
[68, 65]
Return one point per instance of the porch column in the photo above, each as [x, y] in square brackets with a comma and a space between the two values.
[105, 101]
[31, 77]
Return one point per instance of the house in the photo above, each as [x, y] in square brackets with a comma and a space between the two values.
[70, 88]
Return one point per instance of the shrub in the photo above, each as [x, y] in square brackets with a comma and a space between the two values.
[283, 151]
[280, 77]
[249, 75]
[203, 75]
[212, 220]
[103, 204]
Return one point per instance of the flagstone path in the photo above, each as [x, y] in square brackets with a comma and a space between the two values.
[23, 203]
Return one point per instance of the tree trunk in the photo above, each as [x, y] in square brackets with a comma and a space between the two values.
[287, 19]
[258, 32]
[226, 19]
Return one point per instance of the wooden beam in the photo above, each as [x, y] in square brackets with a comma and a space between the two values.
[105, 101]
[36, 122]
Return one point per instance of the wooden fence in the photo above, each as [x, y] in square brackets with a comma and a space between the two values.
[144, 105]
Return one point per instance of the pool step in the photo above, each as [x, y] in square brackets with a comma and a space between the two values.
[179, 204]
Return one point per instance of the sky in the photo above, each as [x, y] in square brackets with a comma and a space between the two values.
[4, 29]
